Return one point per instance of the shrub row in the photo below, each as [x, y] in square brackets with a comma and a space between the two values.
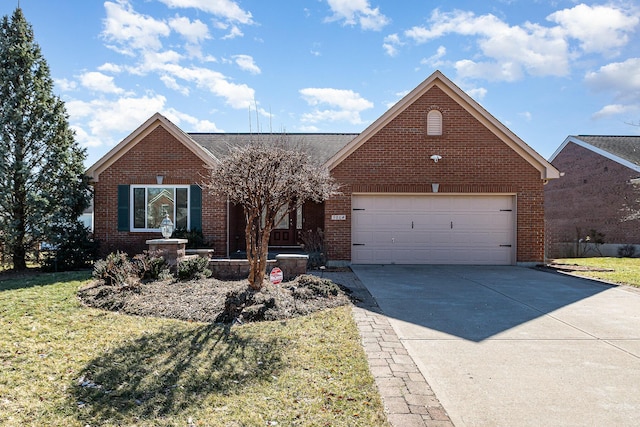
[118, 270]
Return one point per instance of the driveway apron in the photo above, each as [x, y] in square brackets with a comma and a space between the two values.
[513, 346]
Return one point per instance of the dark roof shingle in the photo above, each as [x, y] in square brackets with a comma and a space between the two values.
[321, 146]
[625, 147]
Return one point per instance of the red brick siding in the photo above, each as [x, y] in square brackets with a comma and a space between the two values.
[474, 160]
[594, 193]
[158, 153]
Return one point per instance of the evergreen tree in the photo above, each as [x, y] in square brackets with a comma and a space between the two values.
[43, 190]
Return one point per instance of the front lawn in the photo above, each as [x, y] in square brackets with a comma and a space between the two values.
[618, 270]
[64, 364]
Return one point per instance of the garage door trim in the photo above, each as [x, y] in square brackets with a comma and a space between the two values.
[478, 236]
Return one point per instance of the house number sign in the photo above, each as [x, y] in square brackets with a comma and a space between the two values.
[338, 217]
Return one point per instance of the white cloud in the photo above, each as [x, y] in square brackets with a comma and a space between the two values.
[399, 95]
[236, 95]
[357, 12]
[84, 139]
[345, 99]
[104, 123]
[99, 82]
[434, 60]
[97, 122]
[140, 36]
[130, 30]
[195, 124]
[316, 116]
[171, 83]
[347, 105]
[110, 68]
[507, 71]
[153, 61]
[615, 110]
[233, 33]
[622, 78]
[510, 51]
[526, 115]
[391, 44]
[225, 9]
[246, 63]
[598, 28]
[477, 93]
[194, 32]
[65, 85]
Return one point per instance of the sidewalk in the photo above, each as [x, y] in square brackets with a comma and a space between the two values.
[407, 397]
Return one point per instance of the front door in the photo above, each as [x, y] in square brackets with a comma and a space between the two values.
[284, 232]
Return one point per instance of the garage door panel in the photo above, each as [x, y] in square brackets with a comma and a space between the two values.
[438, 239]
[431, 229]
[486, 238]
[434, 220]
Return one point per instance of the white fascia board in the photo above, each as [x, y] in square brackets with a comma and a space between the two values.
[576, 140]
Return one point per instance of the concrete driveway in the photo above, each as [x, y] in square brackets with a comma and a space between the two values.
[512, 346]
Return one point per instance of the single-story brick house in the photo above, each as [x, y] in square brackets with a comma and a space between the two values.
[436, 179]
[600, 191]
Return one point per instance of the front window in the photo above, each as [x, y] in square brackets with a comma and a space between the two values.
[152, 202]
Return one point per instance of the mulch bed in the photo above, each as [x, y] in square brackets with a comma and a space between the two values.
[216, 301]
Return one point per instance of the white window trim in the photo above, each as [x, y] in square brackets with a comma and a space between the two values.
[132, 211]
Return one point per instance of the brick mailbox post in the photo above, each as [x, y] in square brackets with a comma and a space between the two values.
[172, 250]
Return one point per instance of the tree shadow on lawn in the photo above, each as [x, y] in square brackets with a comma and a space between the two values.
[11, 280]
[164, 373]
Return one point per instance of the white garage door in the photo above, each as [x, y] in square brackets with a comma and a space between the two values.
[433, 229]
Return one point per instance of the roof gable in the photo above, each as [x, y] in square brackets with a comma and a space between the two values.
[139, 134]
[624, 150]
[547, 171]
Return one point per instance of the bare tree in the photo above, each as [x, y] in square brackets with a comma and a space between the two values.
[268, 180]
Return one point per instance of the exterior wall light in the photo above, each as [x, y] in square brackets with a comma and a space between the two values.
[166, 227]
[435, 158]
[159, 179]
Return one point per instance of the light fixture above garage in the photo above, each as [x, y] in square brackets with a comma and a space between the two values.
[436, 157]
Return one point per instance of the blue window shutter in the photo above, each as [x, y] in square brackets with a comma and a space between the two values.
[195, 208]
[123, 207]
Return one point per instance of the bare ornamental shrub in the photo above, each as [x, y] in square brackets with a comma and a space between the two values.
[313, 243]
[589, 244]
[150, 265]
[116, 270]
[268, 181]
[626, 251]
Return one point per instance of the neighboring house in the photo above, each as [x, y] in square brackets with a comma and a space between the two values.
[599, 190]
[435, 180]
[87, 217]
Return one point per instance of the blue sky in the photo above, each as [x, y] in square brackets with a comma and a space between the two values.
[546, 69]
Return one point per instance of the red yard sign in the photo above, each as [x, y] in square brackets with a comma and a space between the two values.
[276, 276]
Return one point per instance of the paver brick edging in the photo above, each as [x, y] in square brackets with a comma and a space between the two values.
[408, 399]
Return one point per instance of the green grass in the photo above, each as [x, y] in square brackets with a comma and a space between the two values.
[625, 270]
[64, 364]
